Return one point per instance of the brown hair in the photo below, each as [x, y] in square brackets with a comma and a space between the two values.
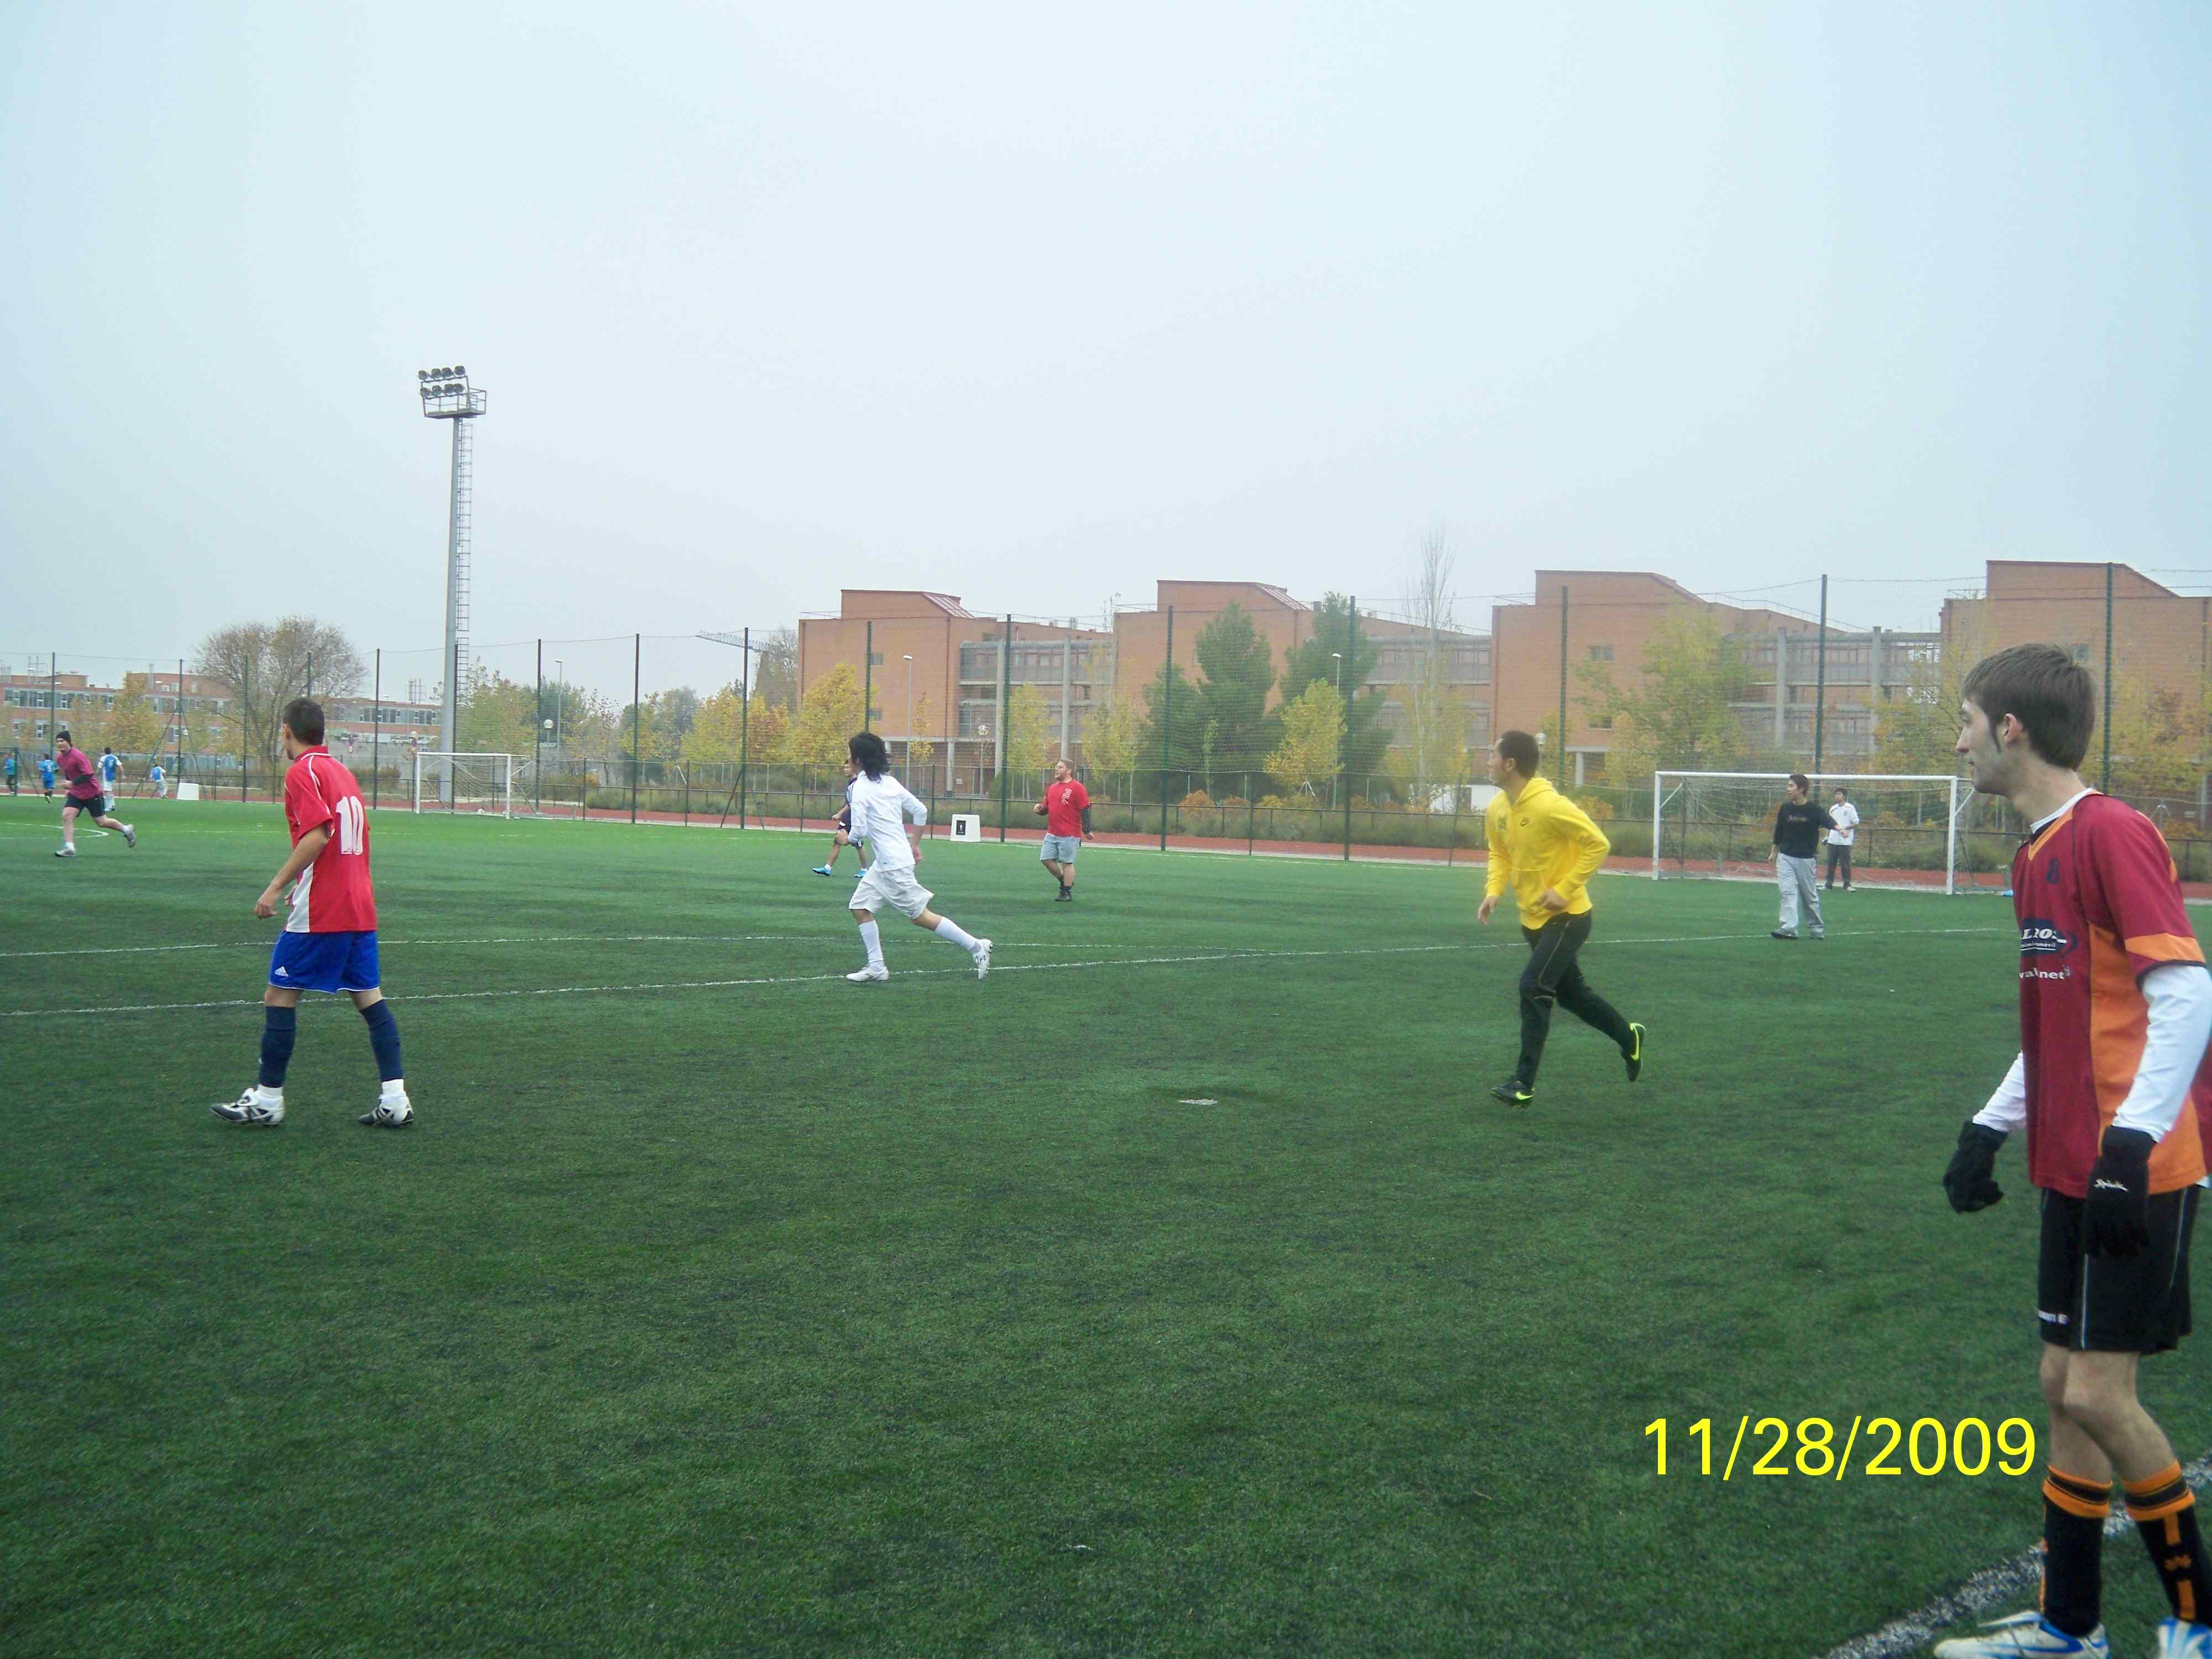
[1799, 780]
[1520, 748]
[305, 716]
[2042, 688]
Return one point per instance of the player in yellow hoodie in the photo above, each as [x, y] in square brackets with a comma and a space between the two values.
[1545, 848]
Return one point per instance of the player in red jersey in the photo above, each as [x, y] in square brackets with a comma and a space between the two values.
[329, 941]
[1065, 810]
[2115, 1010]
[86, 794]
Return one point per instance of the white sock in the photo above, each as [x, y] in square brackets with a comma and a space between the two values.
[394, 1089]
[949, 929]
[872, 936]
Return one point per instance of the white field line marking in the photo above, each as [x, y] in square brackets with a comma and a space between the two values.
[1991, 1587]
[925, 973]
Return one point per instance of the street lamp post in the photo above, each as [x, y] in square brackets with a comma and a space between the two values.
[909, 713]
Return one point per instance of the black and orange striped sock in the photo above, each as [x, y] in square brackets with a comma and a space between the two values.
[2074, 1514]
[2164, 1511]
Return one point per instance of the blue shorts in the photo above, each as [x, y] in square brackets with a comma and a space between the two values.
[325, 962]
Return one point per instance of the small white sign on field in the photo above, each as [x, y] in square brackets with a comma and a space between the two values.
[966, 826]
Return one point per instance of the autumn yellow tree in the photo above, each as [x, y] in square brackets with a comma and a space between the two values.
[1313, 738]
[134, 725]
[828, 715]
[921, 752]
[1029, 730]
[1111, 734]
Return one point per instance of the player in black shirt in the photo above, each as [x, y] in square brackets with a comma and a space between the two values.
[1797, 829]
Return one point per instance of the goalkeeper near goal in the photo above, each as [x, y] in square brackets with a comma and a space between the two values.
[1545, 848]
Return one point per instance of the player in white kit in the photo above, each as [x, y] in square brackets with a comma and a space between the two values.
[889, 819]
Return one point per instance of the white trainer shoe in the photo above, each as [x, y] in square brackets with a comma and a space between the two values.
[65, 852]
[129, 835]
[2024, 1635]
[2176, 1640]
[263, 1108]
[869, 977]
[982, 955]
[391, 1112]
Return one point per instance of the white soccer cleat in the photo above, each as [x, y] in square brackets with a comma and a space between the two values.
[391, 1112]
[982, 955]
[869, 977]
[263, 1108]
[65, 852]
[2026, 1636]
[129, 835]
[2177, 1640]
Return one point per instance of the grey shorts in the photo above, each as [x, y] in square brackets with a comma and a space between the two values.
[1061, 850]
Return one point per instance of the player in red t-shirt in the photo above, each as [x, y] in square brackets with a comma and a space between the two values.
[329, 941]
[1065, 810]
[86, 794]
[2115, 1012]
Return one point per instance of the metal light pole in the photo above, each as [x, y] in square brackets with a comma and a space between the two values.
[909, 768]
[448, 396]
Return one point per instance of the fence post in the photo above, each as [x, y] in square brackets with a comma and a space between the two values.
[868, 679]
[1005, 713]
[2104, 782]
[245, 728]
[1560, 761]
[376, 732]
[179, 723]
[537, 739]
[1820, 681]
[1251, 821]
[1351, 660]
[636, 680]
[1167, 723]
[744, 723]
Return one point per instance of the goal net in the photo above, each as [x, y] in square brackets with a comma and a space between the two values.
[449, 782]
[1913, 830]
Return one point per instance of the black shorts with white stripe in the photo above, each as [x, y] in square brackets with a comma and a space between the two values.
[2132, 1304]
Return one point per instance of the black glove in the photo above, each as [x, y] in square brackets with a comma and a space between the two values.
[2116, 1221]
[1970, 1182]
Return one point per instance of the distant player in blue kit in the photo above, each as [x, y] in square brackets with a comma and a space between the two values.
[160, 779]
[110, 770]
[7, 764]
[46, 775]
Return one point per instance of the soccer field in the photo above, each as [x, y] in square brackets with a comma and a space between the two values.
[1177, 1289]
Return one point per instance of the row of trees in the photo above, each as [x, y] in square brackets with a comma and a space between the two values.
[1682, 714]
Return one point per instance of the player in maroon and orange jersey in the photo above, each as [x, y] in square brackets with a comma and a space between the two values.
[2115, 1010]
[329, 941]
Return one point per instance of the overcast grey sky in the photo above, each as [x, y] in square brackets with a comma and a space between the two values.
[1034, 307]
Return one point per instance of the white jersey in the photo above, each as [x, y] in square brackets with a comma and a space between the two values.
[1847, 822]
[882, 808]
[109, 766]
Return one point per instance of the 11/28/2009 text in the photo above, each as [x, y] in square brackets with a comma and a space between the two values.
[1928, 1447]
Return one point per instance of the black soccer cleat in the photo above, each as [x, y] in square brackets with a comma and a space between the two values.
[1634, 1057]
[1778, 933]
[1513, 1092]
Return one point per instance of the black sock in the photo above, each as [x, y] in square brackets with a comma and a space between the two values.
[280, 1029]
[2074, 1514]
[384, 1037]
[2164, 1511]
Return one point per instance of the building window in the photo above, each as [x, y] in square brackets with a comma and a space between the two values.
[1601, 723]
[1600, 653]
[875, 659]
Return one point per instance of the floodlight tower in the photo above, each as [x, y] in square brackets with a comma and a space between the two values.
[448, 396]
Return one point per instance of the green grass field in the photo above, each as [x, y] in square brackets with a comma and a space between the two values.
[1177, 1289]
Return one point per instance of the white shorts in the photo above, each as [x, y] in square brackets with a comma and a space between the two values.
[891, 887]
[1061, 850]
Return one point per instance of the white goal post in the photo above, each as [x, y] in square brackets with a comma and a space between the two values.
[1720, 825]
[448, 782]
